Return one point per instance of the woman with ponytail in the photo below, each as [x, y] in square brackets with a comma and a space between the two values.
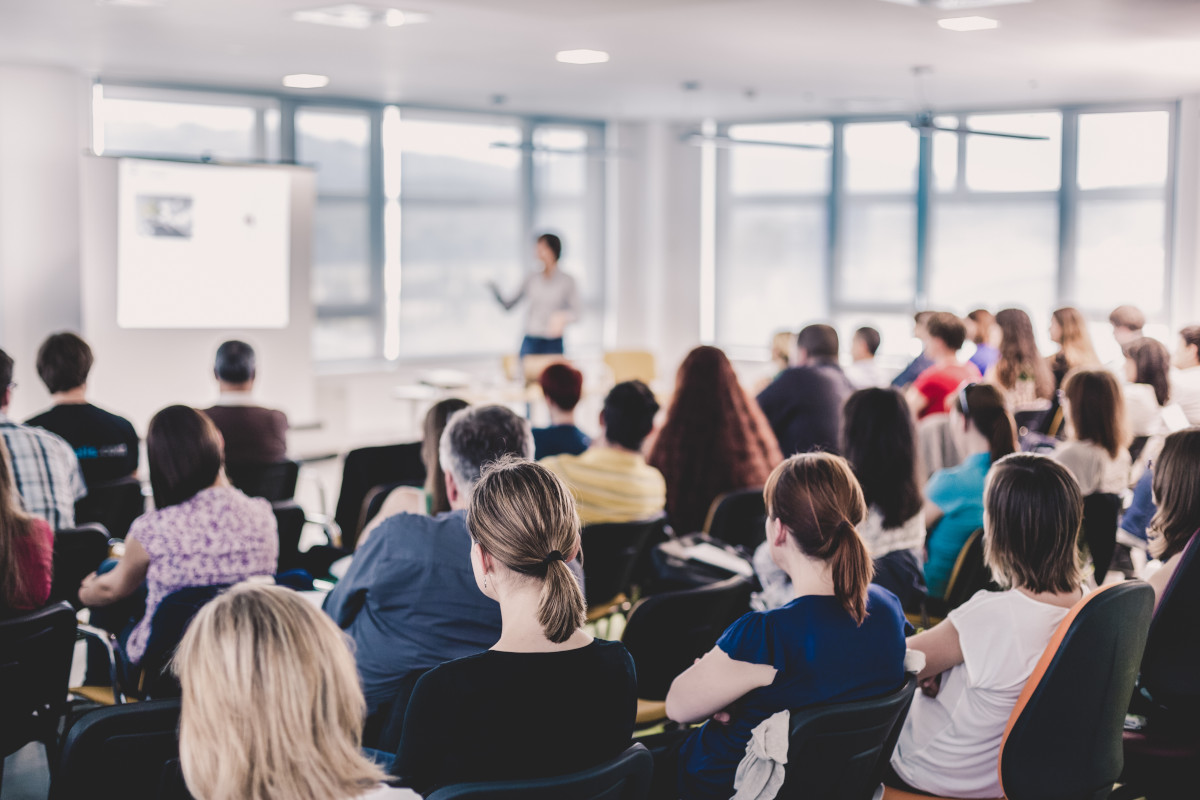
[985, 431]
[547, 698]
[840, 638]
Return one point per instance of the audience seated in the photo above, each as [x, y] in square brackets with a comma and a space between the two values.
[1127, 324]
[978, 660]
[922, 362]
[562, 386]
[1176, 485]
[271, 706]
[26, 550]
[839, 639]
[954, 497]
[611, 481]
[781, 357]
[1068, 330]
[253, 434]
[1096, 453]
[715, 439]
[1021, 373]
[1133, 530]
[879, 441]
[203, 532]
[1148, 386]
[45, 470]
[1185, 378]
[931, 389]
[864, 371]
[547, 698]
[105, 444]
[982, 330]
[804, 404]
[409, 599]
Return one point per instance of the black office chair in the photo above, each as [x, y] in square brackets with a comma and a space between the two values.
[611, 551]
[124, 751]
[289, 519]
[366, 468]
[1101, 512]
[384, 729]
[274, 481]
[78, 552]
[738, 518]
[627, 777]
[839, 751]
[35, 667]
[969, 576]
[115, 505]
[171, 620]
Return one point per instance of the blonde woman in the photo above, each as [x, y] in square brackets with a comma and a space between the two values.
[547, 699]
[271, 706]
[1068, 330]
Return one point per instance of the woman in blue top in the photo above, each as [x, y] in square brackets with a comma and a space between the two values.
[985, 431]
[840, 639]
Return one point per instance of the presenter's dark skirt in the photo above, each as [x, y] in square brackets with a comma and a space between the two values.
[537, 346]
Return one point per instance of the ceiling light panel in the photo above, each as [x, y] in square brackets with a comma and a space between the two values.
[581, 56]
[359, 17]
[968, 23]
[305, 80]
[957, 5]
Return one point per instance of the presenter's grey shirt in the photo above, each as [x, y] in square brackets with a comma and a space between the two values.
[546, 296]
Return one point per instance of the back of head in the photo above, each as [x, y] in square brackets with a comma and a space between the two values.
[6, 375]
[870, 339]
[983, 405]
[1153, 364]
[1097, 409]
[879, 441]
[63, 362]
[947, 328]
[818, 341]
[435, 422]
[1033, 510]
[522, 515]
[271, 705]
[1128, 317]
[1190, 336]
[479, 434]
[185, 452]
[562, 385]
[781, 346]
[1019, 356]
[1176, 486]
[1076, 341]
[629, 411]
[819, 501]
[14, 524]
[553, 242]
[984, 321]
[235, 362]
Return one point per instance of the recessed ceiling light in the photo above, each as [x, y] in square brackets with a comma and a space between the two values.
[968, 23]
[358, 16]
[582, 56]
[303, 80]
[130, 3]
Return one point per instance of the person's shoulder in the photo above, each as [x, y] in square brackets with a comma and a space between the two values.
[48, 439]
[984, 604]
[47, 417]
[882, 602]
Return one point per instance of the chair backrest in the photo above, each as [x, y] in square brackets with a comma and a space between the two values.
[170, 621]
[1101, 513]
[121, 750]
[1169, 666]
[667, 632]
[626, 777]
[610, 553]
[77, 554]
[1063, 740]
[970, 573]
[275, 481]
[738, 518]
[631, 365]
[368, 467]
[115, 505]
[289, 519]
[839, 750]
[35, 666]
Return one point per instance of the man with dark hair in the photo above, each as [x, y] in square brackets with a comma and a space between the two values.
[562, 386]
[44, 467]
[105, 444]
[935, 385]
[253, 434]
[1185, 378]
[804, 404]
[864, 373]
[922, 362]
[611, 481]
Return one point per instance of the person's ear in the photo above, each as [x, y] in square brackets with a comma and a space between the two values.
[602, 418]
[451, 488]
[776, 532]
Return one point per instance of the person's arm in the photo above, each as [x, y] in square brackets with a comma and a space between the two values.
[942, 650]
[509, 303]
[349, 595]
[933, 514]
[712, 684]
[401, 500]
[422, 739]
[917, 401]
[121, 581]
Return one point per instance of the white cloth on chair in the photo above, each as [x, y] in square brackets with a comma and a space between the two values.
[764, 766]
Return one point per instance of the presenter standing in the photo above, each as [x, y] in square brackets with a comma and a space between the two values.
[553, 301]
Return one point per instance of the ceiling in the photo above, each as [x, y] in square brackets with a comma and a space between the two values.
[750, 58]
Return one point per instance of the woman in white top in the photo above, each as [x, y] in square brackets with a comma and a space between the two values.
[1147, 368]
[553, 301]
[272, 708]
[1097, 453]
[978, 659]
[1176, 489]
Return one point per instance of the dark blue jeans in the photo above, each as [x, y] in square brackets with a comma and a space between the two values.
[538, 346]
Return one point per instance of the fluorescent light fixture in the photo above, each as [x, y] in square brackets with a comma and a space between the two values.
[394, 17]
[131, 3]
[303, 80]
[581, 56]
[357, 16]
[968, 23]
[957, 5]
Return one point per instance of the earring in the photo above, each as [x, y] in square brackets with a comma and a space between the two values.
[485, 580]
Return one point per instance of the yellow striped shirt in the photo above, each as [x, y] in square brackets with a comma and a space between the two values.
[610, 485]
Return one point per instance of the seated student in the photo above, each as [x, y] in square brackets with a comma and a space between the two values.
[1068, 329]
[546, 699]
[1097, 452]
[26, 550]
[1176, 486]
[941, 380]
[562, 386]
[1127, 324]
[922, 362]
[253, 434]
[45, 470]
[1185, 377]
[105, 444]
[203, 532]
[985, 432]
[839, 639]
[864, 372]
[982, 330]
[804, 404]
[1148, 387]
[611, 480]
[409, 599]
[1020, 372]
[978, 659]
[271, 707]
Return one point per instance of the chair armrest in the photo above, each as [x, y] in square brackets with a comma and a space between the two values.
[108, 642]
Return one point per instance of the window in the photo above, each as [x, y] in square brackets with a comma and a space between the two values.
[1001, 164]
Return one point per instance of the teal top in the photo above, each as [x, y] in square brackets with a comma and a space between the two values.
[958, 492]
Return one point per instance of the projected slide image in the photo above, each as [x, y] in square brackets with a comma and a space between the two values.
[164, 216]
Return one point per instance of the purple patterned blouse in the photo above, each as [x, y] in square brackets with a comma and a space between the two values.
[218, 536]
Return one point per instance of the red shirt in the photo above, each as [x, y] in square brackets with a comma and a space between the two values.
[34, 553]
[938, 384]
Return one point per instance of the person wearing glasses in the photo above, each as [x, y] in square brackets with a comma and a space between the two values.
[985, 432]
[553, 301]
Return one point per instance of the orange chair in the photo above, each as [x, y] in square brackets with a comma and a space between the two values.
[1063, 739]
